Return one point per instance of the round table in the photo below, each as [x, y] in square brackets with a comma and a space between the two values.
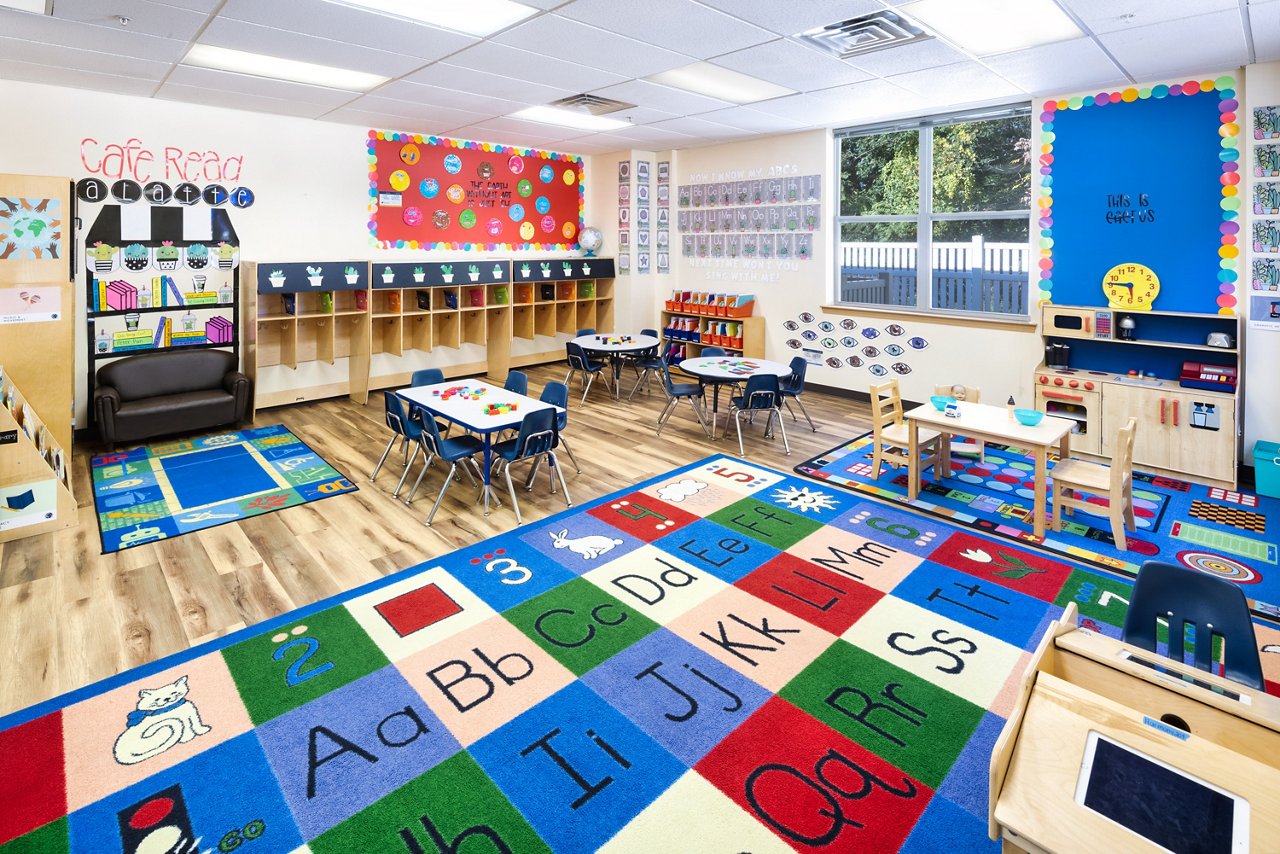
[615, 345]
[728, 370]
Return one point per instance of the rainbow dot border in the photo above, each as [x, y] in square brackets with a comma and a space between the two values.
[472, 145]
[1229, 155]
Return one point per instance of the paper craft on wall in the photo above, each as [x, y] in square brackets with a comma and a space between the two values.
[1266, 274]
[428, 192]
[30, 229]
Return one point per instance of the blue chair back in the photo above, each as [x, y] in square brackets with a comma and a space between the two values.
[557, 394]
[650, 332]
[652, 352]
[795, 382]
[713, 351]
[761, 392]
[396, 417]
[582, 332]
[538, 433]
[577, 357]
[427, 376]
[1213, 607]
[517, 381]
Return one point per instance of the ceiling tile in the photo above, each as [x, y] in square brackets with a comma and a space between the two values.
[82, 60]
[858, 102]
[482, 83]
[440, 116]
[914, 56]
[261, 87]
[193, 5]
[799, 108]
[1265, 21]
[680, 25]
[438, 96]
[586, 45]
[238, 35]
[745, 118]
[49, 36]
[154, 19]
[653, 135]
[234, 101]
[793, 65]
[1058, 68]
[549, 71]
[961, 83]
[787, 19]
[383, 121]
[57, 75]
[346, 24]
[1204, 43]
[1108, 16]
[692, 126]
[660, 97]
[486, 132]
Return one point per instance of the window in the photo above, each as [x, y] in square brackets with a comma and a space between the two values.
[945, 201]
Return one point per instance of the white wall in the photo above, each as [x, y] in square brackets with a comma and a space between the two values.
[310, 179]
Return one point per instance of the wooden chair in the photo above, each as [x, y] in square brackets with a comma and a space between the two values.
[890, 434]
[1115, 482]
[971, 447]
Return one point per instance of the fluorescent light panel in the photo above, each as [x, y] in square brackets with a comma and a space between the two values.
[474, 17]
[569, 118]
[40, 7]
[703, 78]
[986, 27]
[260, 65]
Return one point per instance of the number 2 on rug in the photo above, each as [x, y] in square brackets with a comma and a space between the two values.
[295, 675]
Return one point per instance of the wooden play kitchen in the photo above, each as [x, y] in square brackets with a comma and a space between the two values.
[1177, 373]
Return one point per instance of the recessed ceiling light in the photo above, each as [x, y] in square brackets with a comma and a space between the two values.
[474, 17]
[985, 27]
[703, 78]
[569, 118]
[260, 65]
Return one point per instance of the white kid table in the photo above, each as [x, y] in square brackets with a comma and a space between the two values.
[469, 414]
[728, 370]
[613, 345]
[993, 424]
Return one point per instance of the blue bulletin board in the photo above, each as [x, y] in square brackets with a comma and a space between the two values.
[1146, 176]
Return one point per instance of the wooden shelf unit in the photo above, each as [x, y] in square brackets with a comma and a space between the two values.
[395, 309]
[705, 333]
[35, 485]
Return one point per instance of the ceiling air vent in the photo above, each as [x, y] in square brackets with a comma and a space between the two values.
[593, 104]
[867, 34]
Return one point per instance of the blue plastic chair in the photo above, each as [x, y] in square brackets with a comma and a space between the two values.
[537, 440]
[646, 363]
[557, 394]
[427, 376]
[762, 394]
[461, 449]
[582, 332]
[403, 429]
[1213, 607]
[792, 387]
[579, 363]
[517, 381]
[714, 351]
[676, 392]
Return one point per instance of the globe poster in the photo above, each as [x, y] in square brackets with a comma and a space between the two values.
[429, 192]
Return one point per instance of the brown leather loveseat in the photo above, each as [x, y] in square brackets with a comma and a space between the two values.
[174, 392]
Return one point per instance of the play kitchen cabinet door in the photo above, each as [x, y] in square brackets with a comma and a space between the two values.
[1082, 407]
[1181, 431]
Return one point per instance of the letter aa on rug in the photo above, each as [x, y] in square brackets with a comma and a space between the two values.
[723, 659]
[165, 490]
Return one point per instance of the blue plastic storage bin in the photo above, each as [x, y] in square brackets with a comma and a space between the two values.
[1266, 468]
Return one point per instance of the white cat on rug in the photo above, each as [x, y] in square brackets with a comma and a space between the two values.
[164, 717]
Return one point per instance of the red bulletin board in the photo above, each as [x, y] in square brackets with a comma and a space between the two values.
[432, 192]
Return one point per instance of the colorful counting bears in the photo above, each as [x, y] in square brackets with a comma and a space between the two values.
[500, 408]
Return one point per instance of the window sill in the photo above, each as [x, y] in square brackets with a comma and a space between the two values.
[977, 321]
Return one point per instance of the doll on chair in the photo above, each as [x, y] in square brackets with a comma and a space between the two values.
[959, 444]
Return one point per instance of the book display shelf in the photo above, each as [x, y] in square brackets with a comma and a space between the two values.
[35, 488]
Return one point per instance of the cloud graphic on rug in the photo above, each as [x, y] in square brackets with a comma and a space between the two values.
[164, 717]
[680, 490]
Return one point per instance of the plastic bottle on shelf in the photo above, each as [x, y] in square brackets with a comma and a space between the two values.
[1010, 406]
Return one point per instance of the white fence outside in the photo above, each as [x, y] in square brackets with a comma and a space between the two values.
[972, 276]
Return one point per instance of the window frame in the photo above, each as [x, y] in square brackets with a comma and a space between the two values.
[925, 216]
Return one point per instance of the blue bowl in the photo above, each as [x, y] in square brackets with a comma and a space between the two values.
[940, 401]
[1029, 417]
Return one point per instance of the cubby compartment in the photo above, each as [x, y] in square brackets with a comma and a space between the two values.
[472, 297]
[445, 329]
[445, 299]
[387, 335]
[417, 332]
[315, 339]
[315, 303]
[350, 302]
[566, 291]
[567, 318]
[498, 295]
[278, 342]
[523, 294]
[417, 301]
[544, 320]
[347, 329]
[387, 302]
[473, 326]
[587, 318]
[522, 322]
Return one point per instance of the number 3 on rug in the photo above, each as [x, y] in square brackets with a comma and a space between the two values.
[295, 675]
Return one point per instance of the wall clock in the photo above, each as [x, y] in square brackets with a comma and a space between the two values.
[1131, 286]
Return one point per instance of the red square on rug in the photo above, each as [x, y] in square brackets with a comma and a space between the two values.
[417, 609]
[33, 781]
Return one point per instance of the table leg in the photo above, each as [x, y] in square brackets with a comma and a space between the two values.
[488, 462]
[1038, 505]
[715, 408]
[944, 458]
[913, 459]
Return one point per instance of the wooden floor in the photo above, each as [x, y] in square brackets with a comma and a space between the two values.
[70, 616]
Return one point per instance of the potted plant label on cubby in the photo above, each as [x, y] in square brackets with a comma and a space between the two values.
[226, 256]
[388, 276]
[419, 275]
[524, 270]
[197, 256]
[135, 257]
[315, 276]
[276, 278]
[497, 271]
[473, 272]
[546, 269]
[351, 274]
[586, 269]
[103, 255]
[568, 269]
[446, 273]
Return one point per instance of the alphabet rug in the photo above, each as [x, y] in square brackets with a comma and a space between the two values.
[164, 490]
[722, 659]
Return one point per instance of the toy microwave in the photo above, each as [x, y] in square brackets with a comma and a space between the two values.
[1208, 377]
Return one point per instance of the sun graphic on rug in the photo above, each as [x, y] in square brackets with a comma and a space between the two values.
[804, 500]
